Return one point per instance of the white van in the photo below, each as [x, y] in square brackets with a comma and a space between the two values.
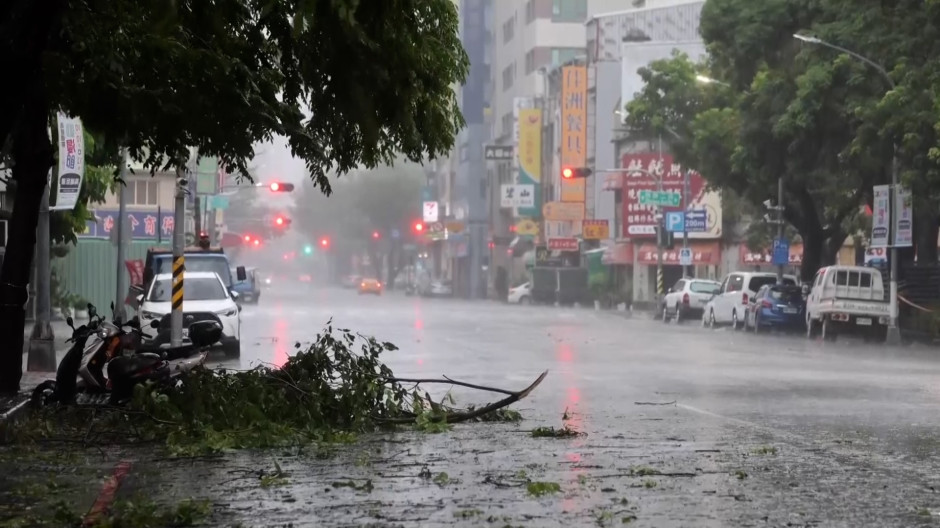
[847, 299]
[737, 289]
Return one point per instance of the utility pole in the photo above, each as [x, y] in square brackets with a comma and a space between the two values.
[121, 287]
[686, 194]
[893, 336]
[780, 225]
[661, 234]
[42, 339]
[179, 243]
[197, 214]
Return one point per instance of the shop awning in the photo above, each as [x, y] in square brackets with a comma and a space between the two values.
[703, 253]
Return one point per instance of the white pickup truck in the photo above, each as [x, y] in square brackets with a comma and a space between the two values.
[847, 299]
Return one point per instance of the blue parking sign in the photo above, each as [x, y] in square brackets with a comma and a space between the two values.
[675, 221]
[781, 253]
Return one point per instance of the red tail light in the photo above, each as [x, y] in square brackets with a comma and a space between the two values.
[685, 298]
[766, 304]
[744, 298]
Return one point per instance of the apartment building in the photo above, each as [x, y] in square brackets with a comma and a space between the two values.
[530, 38]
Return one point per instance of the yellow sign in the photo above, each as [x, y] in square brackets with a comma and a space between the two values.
[595, 230]
[572, 211]
[530, 155]
[573, 129]
[454, 227]
[527, 226]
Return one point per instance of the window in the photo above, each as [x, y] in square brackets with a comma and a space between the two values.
[735, 283]
[704, 287]
[529, 11]
[509, 29]
[141, 192]
[569, 10]
[678, 286]
[530, 62]
[507, 121]
[198, 289]
[563, 55]
[509, 74]
[762, 280]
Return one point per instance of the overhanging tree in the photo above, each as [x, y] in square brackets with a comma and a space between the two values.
[348, 84]
[779, 112]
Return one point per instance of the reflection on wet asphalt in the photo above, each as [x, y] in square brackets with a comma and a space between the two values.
[684, 426]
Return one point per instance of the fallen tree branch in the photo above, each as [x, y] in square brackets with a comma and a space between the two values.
[673, 402]
[458, 417]
[446, 380]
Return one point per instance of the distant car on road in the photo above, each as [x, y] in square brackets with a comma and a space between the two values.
[249, 290]
[521, 294]
[737, 290]
[372, 286]
[688, 298]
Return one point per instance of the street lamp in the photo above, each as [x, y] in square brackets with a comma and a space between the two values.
[894, 335]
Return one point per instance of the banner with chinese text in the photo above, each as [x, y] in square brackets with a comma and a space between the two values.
[573, 129]
[530, 158]
[68, 182]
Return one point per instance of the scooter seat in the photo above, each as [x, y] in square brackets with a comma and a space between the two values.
[126, 367]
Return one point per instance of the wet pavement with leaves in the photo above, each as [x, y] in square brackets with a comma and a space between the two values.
[676, 426]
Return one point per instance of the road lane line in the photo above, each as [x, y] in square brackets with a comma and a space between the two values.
[108, 493]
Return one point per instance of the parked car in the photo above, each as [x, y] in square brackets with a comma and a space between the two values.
[847, 299]
[778, 306]
[688, 298]
[521, 294]
[737, 290]
[205, 296]
[437, 288]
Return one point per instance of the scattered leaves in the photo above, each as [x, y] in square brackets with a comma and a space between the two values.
[538, 489]
[551, 432]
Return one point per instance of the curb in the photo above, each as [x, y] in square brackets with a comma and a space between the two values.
[11, 417]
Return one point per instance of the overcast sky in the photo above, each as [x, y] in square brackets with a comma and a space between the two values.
[273, 161]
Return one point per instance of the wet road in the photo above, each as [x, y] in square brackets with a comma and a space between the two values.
[763, 431]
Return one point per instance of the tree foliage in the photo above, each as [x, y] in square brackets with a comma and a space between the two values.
[822, 120]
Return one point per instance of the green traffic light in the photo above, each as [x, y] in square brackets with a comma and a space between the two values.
[308, 250]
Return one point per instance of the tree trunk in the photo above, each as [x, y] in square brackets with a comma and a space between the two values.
[925, 236]
[32, 152]
[813, 258]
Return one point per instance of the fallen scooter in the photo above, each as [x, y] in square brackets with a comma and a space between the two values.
[109, 358]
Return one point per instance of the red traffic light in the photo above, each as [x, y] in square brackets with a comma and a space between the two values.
[570, 173]
[247, 238]
[281, 187]
[257, 242]
[324, 242]
[279, 220]
[376, 235]
[419, 227]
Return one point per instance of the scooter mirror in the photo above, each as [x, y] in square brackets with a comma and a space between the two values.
[155, 323]
[70, 322]
[92, 311]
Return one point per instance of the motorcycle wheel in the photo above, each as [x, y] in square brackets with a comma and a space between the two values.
[43, 394]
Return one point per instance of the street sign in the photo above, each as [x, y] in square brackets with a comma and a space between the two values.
[781, 252]
[544, 258]
[218, 202]
[675, 221]
[685, 256]
[563, 244]
[430, 212]
[497, 152]
[660, 198]
[595, 230]
[517, 195]
[527, 227]
[696, 221]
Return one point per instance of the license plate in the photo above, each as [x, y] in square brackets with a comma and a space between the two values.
[863, 321]
[790, 310]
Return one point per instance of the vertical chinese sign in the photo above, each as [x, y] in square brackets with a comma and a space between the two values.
[530, 157]
[573, 129]
[71, 163]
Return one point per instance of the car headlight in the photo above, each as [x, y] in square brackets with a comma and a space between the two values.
[228, 312]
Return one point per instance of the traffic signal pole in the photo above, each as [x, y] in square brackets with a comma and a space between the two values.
[660, 280]
[686, 195]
